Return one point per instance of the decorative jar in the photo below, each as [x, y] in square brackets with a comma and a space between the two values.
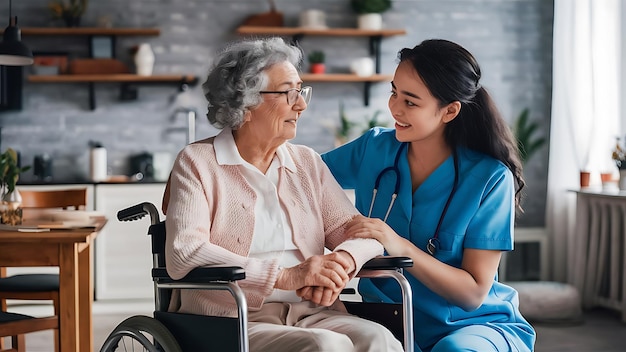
[11, 208]
[144, 60]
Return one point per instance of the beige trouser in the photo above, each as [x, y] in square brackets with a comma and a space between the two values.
[304, 326]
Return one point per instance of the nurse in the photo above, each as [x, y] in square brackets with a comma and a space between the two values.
[442, 188]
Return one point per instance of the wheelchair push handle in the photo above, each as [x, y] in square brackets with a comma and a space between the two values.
[138, 211]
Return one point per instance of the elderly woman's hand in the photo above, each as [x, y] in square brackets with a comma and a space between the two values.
[329, 272]
[323, 295]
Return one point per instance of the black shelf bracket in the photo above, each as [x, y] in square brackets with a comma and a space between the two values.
[295, 40]
[366, 93]
[375, 42]
[129, 91]
[92, 96]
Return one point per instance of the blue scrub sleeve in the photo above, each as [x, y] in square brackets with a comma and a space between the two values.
[345, 161]
[492, 225]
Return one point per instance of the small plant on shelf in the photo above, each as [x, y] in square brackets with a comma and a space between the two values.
[316, 61]
[370, 6]
[369, 12]
[69, 10]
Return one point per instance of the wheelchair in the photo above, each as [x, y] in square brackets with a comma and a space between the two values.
[178, 332]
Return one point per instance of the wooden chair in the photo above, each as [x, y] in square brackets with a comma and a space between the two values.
[16, 325]
[65, 199]
[40, 286]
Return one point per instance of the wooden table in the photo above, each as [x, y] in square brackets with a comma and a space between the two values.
[70, 250]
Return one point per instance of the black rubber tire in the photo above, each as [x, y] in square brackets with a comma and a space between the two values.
[133, 328]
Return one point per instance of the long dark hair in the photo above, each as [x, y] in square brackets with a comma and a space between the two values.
[451, 74]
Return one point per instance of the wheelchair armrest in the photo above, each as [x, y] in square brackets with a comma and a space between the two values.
[206, 274]
[382, 263]
[387, 263]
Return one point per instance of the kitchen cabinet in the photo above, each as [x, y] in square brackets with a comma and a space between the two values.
[101, 45]
[123, 258]
[297, 33]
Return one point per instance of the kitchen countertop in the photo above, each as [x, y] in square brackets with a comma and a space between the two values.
[83, 182]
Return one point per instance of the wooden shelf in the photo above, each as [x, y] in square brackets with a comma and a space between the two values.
[127, 92]
[331, 32]
[297, 33]
[90, 31]
[344, 77]
[113, 78]
[347, 77]
[102, 43]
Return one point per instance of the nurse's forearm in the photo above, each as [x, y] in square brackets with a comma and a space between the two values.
[455, 285]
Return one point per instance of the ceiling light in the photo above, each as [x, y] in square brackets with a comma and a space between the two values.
[12, 51]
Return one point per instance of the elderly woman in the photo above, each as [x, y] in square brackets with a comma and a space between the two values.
[249, 198]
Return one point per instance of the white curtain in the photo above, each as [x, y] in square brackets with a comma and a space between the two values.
[585, 116]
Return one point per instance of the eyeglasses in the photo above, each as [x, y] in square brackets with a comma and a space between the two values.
[293, 93]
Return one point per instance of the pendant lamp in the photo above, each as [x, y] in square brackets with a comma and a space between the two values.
[12, 51]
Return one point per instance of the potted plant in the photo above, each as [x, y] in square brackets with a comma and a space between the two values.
[69, 10]
[11, 201]
[369, 13]
[343, 132]
[373, 122]
[316, 61]
[524, 132]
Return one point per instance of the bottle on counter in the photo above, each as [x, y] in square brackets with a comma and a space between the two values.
[97, 162]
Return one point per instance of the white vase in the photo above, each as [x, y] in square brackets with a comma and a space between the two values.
[144, 60]
[315, 19]
[370, 21]
[362, 67]
[622, 180]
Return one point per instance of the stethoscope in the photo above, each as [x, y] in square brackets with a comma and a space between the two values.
[433, 242]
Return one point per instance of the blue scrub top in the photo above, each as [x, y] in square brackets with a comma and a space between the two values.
[480, 215]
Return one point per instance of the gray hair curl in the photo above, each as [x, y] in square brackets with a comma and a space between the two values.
[232, 86]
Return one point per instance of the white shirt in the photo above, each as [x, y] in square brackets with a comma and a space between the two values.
[272, 236]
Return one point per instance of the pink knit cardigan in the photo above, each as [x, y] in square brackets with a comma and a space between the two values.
[210, 220]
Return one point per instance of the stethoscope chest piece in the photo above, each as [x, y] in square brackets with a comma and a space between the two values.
[432, 245]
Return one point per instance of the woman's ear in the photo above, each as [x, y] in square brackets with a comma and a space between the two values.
[451, 111]
[246, 116]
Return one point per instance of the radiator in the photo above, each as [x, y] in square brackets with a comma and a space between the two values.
[601, 250]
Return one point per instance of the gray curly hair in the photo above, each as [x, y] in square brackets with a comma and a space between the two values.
[233, 84]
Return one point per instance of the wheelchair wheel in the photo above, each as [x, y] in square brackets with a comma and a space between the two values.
[140, 333]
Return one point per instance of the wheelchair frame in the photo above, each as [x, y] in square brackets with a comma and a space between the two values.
[224, 278]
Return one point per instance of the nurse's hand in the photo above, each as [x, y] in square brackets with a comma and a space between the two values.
[362, 227]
